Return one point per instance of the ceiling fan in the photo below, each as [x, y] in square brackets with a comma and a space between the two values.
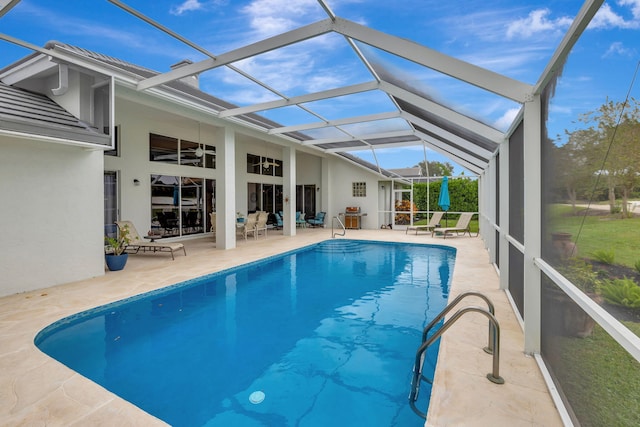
[199, 152]
[266, 164]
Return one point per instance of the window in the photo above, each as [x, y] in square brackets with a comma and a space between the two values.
[163, 149]
[175, 151]
[264, 165]
[359, 189]
[264, 197]
[178, 205]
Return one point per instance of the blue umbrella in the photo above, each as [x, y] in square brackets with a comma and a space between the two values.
[443, 200]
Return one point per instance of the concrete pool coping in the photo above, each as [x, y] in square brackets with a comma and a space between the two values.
[37, 390]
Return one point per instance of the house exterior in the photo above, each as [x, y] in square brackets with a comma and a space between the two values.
[82, 148]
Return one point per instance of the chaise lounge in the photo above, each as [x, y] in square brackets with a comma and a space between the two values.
[462, 226]
[136, 243]
[433, 223]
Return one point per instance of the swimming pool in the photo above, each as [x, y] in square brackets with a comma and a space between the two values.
[322, 335]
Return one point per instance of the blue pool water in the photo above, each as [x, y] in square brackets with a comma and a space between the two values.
[325, 335]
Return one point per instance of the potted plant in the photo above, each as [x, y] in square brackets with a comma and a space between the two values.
[115, 255]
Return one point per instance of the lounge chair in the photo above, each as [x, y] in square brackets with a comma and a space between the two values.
[462, 226]
[318, 221]
[136, 243]
[261, 224]
[248, 226]
[433, 223]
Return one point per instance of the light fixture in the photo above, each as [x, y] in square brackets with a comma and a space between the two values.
[200, 151]
[136, 181]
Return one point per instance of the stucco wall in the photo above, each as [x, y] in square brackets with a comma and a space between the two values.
[51, 206]
[341, 177]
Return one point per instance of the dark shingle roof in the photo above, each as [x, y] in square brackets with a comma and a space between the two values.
[32, 113]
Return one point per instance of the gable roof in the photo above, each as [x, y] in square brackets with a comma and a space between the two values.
[28, 113]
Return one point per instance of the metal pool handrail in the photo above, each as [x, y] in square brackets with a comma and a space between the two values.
[344, 229]
[452, 304]
[494, 329]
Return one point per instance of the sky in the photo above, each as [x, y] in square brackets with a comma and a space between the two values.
[515, 38]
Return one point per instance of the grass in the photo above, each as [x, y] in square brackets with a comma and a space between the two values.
[600, 379]
[451, 221]
[600, 232]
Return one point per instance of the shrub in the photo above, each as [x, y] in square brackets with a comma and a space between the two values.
[624, 292]
[637, 266]
[581, 274]
[604, 256]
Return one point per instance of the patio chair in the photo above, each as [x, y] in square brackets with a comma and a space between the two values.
[318, 221]
[462, 226]
[279, 223]
[212, 216]
[248, 226]
[136, 243]
[300, 221]
[433, 223]
[261, 224]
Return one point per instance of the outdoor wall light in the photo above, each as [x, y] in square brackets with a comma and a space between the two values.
[136, 181]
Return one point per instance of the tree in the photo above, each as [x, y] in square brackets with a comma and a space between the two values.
[574, 167]
[435, 168]
[614, 154]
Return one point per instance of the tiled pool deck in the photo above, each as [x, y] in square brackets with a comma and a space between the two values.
[35, 390]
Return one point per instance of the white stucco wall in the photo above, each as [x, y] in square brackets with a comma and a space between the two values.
[341, 177]
[51, 210]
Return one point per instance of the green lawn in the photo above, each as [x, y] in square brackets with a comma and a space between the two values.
[593, 233]
[601, 379]
[451, 221]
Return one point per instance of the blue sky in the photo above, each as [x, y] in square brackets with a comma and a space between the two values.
[515, 38]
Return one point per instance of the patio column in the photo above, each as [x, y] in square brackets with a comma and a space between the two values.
[289, 189]
[325, 188]
[532, 223]
[226, 190]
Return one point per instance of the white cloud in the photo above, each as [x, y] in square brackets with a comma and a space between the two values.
[635, 7]
[618, 49]
[186, 6]
[270, 17]
[608, 18]
[538, 22]
[507, 118]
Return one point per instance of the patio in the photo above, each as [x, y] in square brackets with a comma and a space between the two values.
[37, 390]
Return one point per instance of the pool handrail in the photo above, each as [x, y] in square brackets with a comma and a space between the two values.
[452, 304]
[493, 347]
[344, 229]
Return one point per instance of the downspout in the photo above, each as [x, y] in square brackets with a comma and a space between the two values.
[63, 80]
